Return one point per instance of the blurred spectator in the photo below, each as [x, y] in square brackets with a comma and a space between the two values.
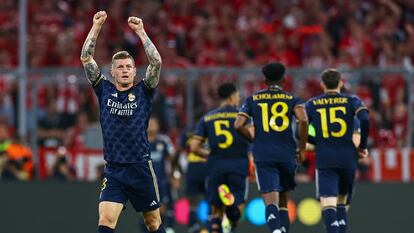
[62, 171]
[51, 127]
[16, 158]
[75, 137]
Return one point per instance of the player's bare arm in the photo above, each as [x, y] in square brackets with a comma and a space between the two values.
[152, 75]
[197, 148]
[302, 117]
[242, 129]
[88, 50]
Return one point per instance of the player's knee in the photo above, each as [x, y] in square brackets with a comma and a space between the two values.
[342, 199]
[271, 198]
[108, 220]
[328, 201]
[153, 223]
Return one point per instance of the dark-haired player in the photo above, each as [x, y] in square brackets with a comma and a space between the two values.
[227, 159]
[124, 112]
[332, 114]
[274, 147]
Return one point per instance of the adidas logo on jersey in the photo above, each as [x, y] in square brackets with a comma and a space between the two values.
[153, 203]
[115, 94]
[271, 216]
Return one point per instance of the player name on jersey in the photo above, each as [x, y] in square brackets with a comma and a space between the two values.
[269, 96]
[325, 101]
[225, 115]
[121, 109]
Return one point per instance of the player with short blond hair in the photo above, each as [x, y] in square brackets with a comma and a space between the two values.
[125, 108]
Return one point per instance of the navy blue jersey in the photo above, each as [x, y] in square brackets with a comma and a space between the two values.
[228, 148]
[160, 149]
[124, 119]
[332, 116]
[272, 111]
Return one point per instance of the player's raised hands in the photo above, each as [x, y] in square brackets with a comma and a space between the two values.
[135, 23]
[99, 18]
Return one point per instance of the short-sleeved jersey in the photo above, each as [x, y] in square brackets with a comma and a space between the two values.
[333, 117]
[228, 148]
[161, 148]
[124, 119]
[272, 111]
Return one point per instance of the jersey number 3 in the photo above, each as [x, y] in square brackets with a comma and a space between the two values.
[271, 123]
[332, 119]
[220, 128]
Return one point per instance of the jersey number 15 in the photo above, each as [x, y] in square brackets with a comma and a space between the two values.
[332, 119]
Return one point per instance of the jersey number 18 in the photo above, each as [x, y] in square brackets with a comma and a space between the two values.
[271, 123]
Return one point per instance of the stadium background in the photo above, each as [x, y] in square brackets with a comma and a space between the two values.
[45, 101]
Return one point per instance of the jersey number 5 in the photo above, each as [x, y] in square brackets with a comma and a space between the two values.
[218, 129]
[332, 119]
[271, 123]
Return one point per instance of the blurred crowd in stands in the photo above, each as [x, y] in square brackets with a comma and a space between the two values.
[314, 34]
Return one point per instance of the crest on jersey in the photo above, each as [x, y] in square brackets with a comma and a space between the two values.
[131, 97]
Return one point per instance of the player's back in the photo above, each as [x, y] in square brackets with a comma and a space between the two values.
[272, 111]
[332, 115]
[228, 148]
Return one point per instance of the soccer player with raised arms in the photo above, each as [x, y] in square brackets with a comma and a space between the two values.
[125, 107]
[227, 165]
[332, 114]
[274, 147]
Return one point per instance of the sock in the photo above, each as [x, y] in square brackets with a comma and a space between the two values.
[329, 218]
[233, 213]
[272, 218]
[215, 226]
[105, 229]
[160, 230]
[341, 212]
[284, 220]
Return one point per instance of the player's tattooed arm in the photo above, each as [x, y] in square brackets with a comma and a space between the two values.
[88, 49]
[152, 75]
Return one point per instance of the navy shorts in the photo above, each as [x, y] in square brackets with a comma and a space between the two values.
[331, 182]
[196, 178]
[134, 182]
[275, 176]
[237, 183]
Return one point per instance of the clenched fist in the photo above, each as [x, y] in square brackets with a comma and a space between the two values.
[135, 24]
[99, 18]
